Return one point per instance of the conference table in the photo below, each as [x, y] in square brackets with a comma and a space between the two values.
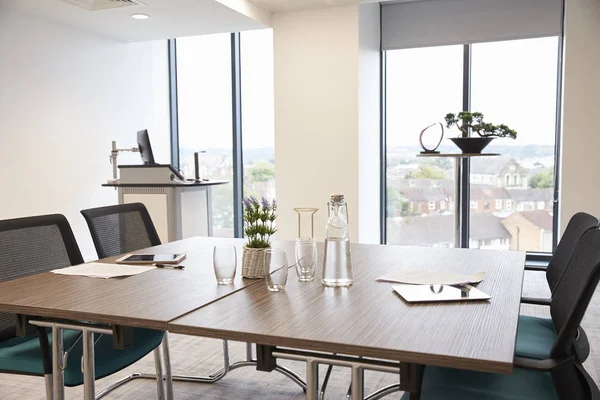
[365, 326]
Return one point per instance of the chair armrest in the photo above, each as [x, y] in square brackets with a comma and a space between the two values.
[536, 265]
[540, 365]
[536, 301]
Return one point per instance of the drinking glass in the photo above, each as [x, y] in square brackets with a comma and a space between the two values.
[276, 269]
[306, 258]
[225, 264]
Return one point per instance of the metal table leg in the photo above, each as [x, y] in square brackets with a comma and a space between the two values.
[312, 379]
[457, 201]
[358, 377]
[89, 374]
[58, 377]
[168, 371]
[160, 389]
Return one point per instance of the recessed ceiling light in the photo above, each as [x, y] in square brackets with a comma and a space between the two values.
[140, 16]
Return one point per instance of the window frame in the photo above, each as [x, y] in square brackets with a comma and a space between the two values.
[237, 153]
[465, 173]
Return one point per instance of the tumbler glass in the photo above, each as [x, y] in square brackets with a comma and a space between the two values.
[276, 269]
[225, 264]
[306, 258]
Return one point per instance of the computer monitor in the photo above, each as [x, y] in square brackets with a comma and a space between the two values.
[145, 148]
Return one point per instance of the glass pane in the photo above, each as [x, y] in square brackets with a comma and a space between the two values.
[205, 118]
[257, 113]
[423, 85]
[514, 83]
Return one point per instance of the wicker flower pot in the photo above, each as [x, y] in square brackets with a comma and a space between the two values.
[253, 263]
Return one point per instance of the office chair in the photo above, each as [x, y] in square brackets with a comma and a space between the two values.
[560, 375]
[125, 228]
[120, 229]
[34, 245]
[536, 335]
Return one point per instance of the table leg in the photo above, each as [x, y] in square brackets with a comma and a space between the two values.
[169, 372]
[159, 374]
[457, 201]
[358, 389]
[58, 377]
[312, 380]
[89, 373]
[248, 351]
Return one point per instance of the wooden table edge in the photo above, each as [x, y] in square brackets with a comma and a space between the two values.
[331, 347]
[83, 316]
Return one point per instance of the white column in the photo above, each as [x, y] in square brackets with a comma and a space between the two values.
[581, 141]
[317, 129]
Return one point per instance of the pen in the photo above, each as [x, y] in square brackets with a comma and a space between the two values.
[169, 266]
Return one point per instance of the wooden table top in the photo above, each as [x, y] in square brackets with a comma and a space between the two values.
[148, 300]
[369, 319]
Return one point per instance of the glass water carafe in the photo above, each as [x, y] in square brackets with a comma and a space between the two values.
[337, 261]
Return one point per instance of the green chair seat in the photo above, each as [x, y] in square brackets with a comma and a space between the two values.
[23, 354]
[535, 337]
[454, 384]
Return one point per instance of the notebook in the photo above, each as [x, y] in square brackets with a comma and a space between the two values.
[437, 293]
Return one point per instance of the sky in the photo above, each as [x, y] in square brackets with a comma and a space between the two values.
[513, 82]
[204, 90]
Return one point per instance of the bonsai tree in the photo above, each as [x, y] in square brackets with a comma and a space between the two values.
[474, 121]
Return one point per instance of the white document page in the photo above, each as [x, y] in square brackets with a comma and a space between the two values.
[102, 270]
[419, 277]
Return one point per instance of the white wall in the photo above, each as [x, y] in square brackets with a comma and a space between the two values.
[64, 95]
[369, 123]
[581, 136]
[316, 114]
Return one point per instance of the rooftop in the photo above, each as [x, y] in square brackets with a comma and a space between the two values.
[540, 218]
[439, 229]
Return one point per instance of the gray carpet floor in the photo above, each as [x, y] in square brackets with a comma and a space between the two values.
[198, 356]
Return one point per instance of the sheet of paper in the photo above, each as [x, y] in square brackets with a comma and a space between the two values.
[419, 277]
[102, 270]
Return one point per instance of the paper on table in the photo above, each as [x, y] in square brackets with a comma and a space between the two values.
[102, 270]
[419, 277]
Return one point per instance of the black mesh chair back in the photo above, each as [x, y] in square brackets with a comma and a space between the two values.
[121, 229]
[576, 227]
[568, 306]
[30, 246]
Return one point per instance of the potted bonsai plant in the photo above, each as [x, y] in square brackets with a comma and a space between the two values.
[259, 226]
[466, 121]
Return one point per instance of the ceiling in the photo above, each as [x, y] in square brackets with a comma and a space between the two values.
[297, 5]
[168, 18]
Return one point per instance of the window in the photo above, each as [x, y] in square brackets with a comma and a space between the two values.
[258, 133]
[501, 91]
[493, 89]
[205, 118]
[432, 205]
[209, 71]
[442, 205]
[414, 100]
